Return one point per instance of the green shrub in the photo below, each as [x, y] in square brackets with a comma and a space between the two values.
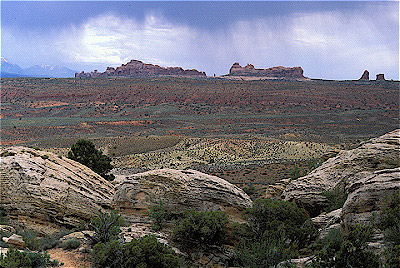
[388, 222]
[159, 214]
[261, 253]
[3, 219]
[347, 251]
[276, 220]
[85, 152]
[295, 173]
[273, 233]
[33, 242]
[16, 259]
[200, 229]
[143, 252]
[335, 198]
[70, 244]
[106, 227]
[250, 190]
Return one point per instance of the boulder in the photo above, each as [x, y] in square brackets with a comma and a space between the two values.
[365, 75]
[44, 191]
[15, 241]
[179, 190]
[373, 164]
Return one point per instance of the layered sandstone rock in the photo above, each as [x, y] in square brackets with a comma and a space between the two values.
[15, 241]
[136, 68]
[42, 190]
[368, 174]
[274, 72]
[365, 75]
[179, 190]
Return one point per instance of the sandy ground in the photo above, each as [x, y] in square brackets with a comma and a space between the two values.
[71, 259]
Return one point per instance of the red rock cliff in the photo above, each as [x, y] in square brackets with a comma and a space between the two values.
[138, 68]
[276, 72]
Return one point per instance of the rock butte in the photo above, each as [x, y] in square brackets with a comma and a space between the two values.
[136, 68]
[365, 75]
[274, 72]
[380, 77]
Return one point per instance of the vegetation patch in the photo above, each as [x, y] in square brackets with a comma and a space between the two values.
[335, 198]
[21, 259]
[85, 152]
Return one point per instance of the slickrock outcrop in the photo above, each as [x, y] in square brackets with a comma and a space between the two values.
[43, 191]
[274, 72]
[178, 190]
[380, 77]
[15, 241]
[365, 75]
[368, 174]
[136, 68]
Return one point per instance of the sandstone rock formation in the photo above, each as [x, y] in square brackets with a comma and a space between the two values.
[15, 241]
[136, 68]
[365, 75]
[43, 191]
[368, 174]
[274, 72]
[179, 190]
[380, 77]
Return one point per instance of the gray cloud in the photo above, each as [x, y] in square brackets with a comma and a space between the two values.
[332, 45]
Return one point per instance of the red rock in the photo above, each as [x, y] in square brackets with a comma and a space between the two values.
[365, 75]
[275, 72]
[380, 77]
[137, 68]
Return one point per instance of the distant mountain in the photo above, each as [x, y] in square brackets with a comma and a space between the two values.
[9, 69]
[47, 70]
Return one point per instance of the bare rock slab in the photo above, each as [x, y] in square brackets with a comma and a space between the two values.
[179, 190]
[40, 189]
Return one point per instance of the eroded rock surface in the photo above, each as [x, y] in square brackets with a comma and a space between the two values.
[42, 190]
[179, 190]
[367, 173]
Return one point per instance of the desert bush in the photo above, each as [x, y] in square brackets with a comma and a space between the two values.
[106, 227]
[16, 259]
[159, 215]
[85, 152]
[3, 219]
[274, 231]
[250, 190]
[33, 242]
[198, 229]
[347, 250]
[70, 244]
[335, 198]
[275, 220]
[142, 252]
[261, 253]
[388, 222]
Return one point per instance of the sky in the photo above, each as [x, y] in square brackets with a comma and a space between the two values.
[329, 40]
